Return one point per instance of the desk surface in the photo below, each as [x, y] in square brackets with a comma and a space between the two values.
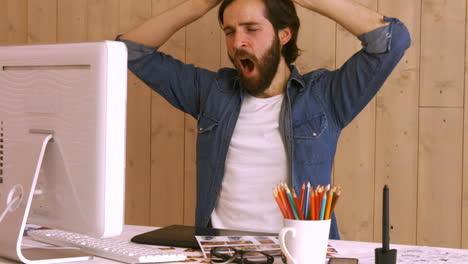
[364, 251]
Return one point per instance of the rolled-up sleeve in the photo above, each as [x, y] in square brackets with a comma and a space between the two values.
[349, 89]
[377, 40]
[135, 50]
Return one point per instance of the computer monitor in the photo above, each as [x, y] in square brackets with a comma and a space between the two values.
[62, 139]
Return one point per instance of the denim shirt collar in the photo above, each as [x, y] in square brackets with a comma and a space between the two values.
[296, 76]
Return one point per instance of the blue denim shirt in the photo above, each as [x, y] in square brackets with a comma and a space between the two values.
[317, 106]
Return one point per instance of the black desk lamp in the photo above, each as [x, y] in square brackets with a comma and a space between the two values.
[385, 255]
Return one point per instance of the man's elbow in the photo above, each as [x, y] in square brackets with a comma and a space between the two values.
[402, 35]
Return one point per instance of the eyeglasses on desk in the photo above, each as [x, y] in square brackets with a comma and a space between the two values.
[225, 255]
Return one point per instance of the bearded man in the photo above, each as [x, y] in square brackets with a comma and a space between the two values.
[263, 122]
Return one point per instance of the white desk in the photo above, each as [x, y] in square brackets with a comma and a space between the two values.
[362, 250]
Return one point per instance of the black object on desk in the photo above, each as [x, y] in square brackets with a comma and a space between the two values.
[385, 255]
[184, 236]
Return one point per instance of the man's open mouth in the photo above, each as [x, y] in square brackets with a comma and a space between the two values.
[247, 65]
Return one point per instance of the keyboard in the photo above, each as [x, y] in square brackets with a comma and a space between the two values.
[111, 248]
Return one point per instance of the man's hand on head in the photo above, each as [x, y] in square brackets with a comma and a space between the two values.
[353, 16]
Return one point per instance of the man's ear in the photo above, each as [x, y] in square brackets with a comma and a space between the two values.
[284, 35]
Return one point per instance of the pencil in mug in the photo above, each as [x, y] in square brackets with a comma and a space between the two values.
[336, 196]
[280, 203]
[282, 192]
[318, 201]
[323, 205]
[301, 204]
[291, 203]
[312, 205]
[299, 212]
[307, 202]
[327, 196]
[329, 201]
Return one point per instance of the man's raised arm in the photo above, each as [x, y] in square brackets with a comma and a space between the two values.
[354, 17]
[157, 30]
[349, 88]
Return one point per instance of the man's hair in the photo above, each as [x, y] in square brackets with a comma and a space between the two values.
[281, 14]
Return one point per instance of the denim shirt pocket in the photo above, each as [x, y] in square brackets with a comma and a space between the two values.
[206, 138]
[206, 124]
[309, 140]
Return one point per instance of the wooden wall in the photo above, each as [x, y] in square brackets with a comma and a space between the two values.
[412, 136]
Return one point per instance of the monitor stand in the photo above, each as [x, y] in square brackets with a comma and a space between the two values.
[14, 218]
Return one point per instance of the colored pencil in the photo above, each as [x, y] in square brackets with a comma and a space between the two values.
[335, 199]
[299, 212]
[312, 205]
[307, 202]
[284, 198]
[318, 201]
[323, 205]
[291, 202]
[329, 202]
[302, 197]
[280, 203]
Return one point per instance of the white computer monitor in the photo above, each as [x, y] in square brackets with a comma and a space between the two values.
[62, 139]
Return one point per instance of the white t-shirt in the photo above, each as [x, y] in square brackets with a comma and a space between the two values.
[256, 162]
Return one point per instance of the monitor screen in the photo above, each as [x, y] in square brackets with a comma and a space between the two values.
[76, 95]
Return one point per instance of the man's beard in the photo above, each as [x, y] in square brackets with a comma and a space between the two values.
[267, 66]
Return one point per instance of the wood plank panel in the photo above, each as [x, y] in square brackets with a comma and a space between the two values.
[465, 156]
[167, 142]
[138, 159]
[42, 21]
[72, 24]
[355, 158]
[442, 46]
[397, 132]
[103, 19]
[3, 22]
[207, 31]
[13, 22]
[18, 22]
[167, 163]
[354, 171]
[316, 52]
[440, 177]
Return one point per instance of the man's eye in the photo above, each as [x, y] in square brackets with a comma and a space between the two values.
[228, 33]
[252, 29]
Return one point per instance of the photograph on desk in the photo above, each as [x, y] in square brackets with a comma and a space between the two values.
[266, 244]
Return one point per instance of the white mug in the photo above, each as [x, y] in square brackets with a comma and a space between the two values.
[305, 241]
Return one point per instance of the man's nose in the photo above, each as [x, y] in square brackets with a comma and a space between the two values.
[240, 41]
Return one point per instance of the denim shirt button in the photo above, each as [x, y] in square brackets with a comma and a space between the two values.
[388, 35]
[200, 129]
[314, 134]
